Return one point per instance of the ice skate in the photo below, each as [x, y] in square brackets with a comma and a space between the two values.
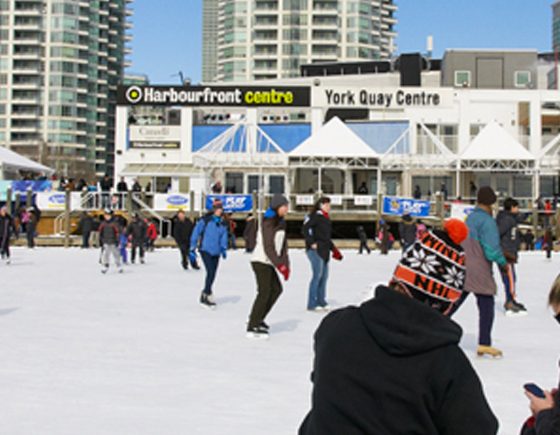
[257, 333]
[514, 309]
[490, 351]
[105, 269]
[8, 261]
[121, 270]
[207, 301]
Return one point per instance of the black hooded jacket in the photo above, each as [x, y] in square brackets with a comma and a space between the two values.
[393, 366]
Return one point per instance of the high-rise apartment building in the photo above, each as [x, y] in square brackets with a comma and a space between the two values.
[264, 39]
[60, 64]
[556, 26]
[209, 40]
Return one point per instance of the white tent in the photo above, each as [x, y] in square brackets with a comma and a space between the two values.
[334, 139]
[10, 160]
[495, 143]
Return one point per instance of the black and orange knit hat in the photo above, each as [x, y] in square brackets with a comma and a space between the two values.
[433, 269]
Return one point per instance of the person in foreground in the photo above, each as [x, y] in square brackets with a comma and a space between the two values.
[546, 411]
[393, 365]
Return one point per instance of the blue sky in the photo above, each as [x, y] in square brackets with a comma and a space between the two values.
[168, 33]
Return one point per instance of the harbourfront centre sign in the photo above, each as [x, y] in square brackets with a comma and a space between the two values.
[285, 96]
[208, 96]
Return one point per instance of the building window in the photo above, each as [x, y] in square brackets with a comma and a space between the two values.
[522, 79]
[462, 79]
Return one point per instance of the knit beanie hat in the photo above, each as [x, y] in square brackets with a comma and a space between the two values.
[278, 201]
[433, 271]
[486, 196]
[457, 230]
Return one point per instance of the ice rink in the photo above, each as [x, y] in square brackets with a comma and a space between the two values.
[83, 353]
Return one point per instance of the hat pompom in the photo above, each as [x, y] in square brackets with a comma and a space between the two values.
[457, 230]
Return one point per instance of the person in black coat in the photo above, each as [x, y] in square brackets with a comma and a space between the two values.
[407, 232]
[85, 226]
[182, 231]
[317, 230]
[136, 232]
[363, 240]
[393, 365]
[546, 412]
[7, 228]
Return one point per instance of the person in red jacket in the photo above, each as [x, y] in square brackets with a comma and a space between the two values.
[151, 235]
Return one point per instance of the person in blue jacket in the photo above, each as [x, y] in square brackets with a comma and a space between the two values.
[210, 237]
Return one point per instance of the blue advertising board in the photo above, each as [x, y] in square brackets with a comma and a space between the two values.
[232, 203]
[398, 206]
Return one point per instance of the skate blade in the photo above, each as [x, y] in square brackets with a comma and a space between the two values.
[255, 336]
[482, 355]
[518, 314]
[208, 307]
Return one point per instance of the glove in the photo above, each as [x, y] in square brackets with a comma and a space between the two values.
[192, 256]
[224, 254]
[336, 254]
[285, 271]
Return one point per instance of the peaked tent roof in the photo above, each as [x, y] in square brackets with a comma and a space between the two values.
[334, 139]
[10, 159]
[495, 143]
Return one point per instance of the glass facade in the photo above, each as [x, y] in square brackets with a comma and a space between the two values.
[64, 60]
[262, 39]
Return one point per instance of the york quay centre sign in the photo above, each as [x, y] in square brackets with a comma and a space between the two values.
[382, 98]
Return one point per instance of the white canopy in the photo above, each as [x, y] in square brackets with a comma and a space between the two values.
[495, 143]
[14, 161]
[334, 139]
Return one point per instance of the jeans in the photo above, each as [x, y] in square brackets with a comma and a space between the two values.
[485, 305]
[364, 245]
[269, 289]
[111, 251]
[135, 246]
[318, 284]
[486, 319]
[85, 239]
[509, 277]
[211, 263]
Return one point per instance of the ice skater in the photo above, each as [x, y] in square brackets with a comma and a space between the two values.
[363, 240]
[136, 232]
[270, 255]
[109, 240]
[317, 230]
[510, 240]
[182, 232]
[210, 237]
[482, 248]
[407, 231]
[123, 244]
[7, 229]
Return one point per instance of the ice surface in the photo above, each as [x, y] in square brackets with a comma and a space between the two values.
[84, 353]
